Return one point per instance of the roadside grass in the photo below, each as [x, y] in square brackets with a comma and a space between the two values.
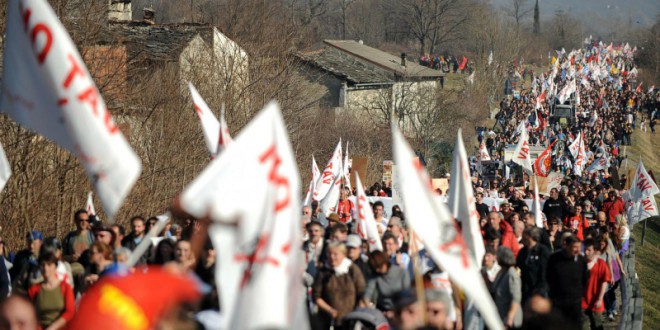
[647, 257]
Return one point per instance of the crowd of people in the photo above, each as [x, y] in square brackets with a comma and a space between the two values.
[564, 274]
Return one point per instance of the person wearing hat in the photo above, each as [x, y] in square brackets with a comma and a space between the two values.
[26, 259]
[407, 311]
[314, 247]
[354, 247]
[332, 219]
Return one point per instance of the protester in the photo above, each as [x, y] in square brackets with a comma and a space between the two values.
[25, 261]
[75, 243]
[567, 275]
[506, 289]
[388, 280]
[133, 239]
[599, 277]
[17, 312]
[532, 262]
[52, 298]
[338, 287]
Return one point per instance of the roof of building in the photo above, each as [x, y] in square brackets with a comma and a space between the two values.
[155, 42]
[359, 63]
[346, 67]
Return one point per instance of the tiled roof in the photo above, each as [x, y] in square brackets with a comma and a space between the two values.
[155, 42]
[359, 63]
[345, 66]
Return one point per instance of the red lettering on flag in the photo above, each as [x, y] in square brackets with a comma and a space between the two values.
[457, 241]
[76, 70]
[277, 179]
[647, 205]
[643, 183]
[45, 30]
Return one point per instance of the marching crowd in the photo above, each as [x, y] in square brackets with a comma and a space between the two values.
[564, 274]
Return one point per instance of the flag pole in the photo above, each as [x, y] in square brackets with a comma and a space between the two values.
[419, 277]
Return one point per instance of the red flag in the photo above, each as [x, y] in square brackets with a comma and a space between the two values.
[136, 301]
[463, 63]
[639, 87]
[542, 165]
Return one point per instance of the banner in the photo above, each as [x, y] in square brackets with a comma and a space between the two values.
[553, 180]
[47, 88]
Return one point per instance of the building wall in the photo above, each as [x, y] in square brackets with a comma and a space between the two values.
[108, 67]
[119, 10]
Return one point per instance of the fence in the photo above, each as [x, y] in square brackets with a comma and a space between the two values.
[632, 310]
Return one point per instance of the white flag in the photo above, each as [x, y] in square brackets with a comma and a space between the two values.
[490, 58]
[47, 88]
[462, 203]
[347, 171]
[642, 184]
[210, 124]
[330, 173]
[471, 77]
[602, 163]
[225, 138]
[640, 209]
[483, 152]
[331, 200]
[536, 206]
[366, 226]
[90, 205]
[574, 147]
[258, 262]
[580, 160]
[432, 222]
[5, 169]
[521, 155]
[312, 184]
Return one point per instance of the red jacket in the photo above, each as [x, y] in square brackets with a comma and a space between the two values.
[613, 208]
[509, 238]
[67, 292]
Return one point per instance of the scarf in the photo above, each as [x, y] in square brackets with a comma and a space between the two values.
[343, 267]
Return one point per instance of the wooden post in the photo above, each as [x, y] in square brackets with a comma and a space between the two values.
[644, 231]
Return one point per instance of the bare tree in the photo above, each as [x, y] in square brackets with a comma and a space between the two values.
[433, 22]
[518, 10]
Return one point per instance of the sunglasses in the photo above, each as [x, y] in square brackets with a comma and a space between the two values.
[83, 220]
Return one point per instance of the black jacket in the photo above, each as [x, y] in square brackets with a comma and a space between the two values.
[567, 277]
[532, 263]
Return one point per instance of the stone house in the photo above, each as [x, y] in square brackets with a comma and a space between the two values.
[126, 51]
[358, 77]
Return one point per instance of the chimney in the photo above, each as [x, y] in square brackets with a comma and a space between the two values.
[120, 10]
[149, 16]
[403, 59]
